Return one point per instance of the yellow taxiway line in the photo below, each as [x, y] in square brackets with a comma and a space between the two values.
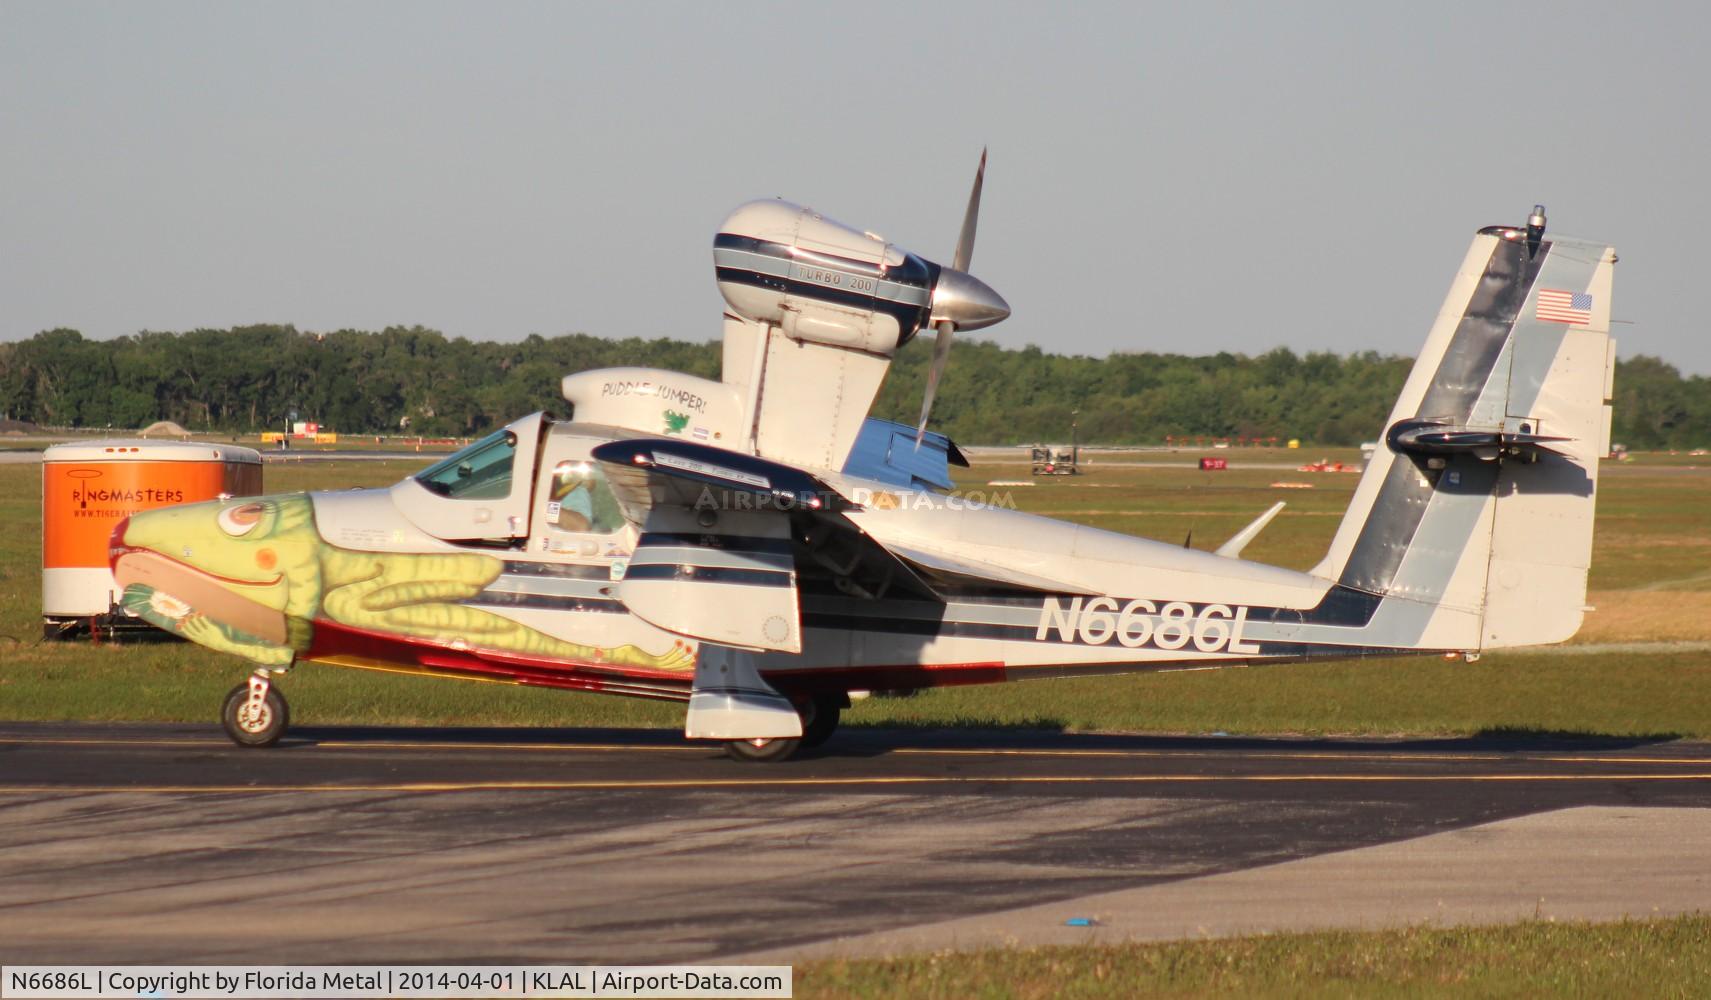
[596, 747]
[103, 741]
[215, 743]
[833, 782]
[1400, 756]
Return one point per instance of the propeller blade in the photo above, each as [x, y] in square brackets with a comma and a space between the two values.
[947, 328]
[970, 219]
[941, 355]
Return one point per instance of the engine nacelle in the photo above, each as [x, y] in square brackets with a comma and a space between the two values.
[823, 282]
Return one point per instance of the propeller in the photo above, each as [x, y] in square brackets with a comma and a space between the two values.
[959, 300]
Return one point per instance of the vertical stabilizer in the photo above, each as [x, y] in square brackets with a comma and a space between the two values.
[1475, 513]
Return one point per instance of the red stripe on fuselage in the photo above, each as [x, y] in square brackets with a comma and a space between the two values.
[886, 677]
[332, 640]
[335, 640]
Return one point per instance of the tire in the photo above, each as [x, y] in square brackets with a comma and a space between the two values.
[820, 720]
[247, 732]
[761, 751]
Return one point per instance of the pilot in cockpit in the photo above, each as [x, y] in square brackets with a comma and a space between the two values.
[583, 499]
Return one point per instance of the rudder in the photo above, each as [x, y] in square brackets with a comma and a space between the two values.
[1560, 379]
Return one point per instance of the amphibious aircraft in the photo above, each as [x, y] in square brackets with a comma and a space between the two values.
[758, 548]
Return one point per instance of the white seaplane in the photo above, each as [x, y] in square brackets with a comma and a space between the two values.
[757, 547]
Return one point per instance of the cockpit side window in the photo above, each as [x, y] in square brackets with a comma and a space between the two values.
[581, 500]
[480, 472]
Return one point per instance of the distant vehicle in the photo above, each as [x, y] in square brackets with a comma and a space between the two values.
[1056, 461]
[757, 548]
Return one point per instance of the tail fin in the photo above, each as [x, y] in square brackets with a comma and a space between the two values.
[1475, 513]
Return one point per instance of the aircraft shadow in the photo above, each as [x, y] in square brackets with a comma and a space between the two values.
[877, 741]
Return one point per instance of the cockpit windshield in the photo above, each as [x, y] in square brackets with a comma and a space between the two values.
[480, 472]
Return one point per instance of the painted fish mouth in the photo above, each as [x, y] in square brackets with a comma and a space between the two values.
[200, 592]
[117, 553]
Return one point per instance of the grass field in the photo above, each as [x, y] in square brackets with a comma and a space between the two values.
[1651, 581]
[1641, 958]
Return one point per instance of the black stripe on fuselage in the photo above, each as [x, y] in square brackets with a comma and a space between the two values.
[909, 317]
[1030, 634]
[914, 270]
[1340, 607]
[758, 544]
[499, 599]
[561, 571]
[709, 574]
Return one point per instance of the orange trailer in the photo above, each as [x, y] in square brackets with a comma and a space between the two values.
[89, 487]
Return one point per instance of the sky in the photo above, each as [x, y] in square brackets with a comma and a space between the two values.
[1186, 177]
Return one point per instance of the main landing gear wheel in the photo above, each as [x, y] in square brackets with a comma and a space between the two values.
[820, 719]
[819, 722]
[762, 751]
[255, 714]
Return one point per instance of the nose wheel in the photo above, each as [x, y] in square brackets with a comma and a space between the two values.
[254, 713]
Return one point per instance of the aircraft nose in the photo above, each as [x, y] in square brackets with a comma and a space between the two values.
[116, 541]
[967, 301]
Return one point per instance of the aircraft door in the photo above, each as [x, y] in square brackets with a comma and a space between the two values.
[576, 517]
[480, 494]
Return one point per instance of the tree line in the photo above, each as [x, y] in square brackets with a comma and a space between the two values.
[416, 380]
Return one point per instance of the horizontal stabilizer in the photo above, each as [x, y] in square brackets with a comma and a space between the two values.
[1432, 437]
[1232, 549]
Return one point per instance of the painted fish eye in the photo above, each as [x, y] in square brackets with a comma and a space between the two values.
[242, 519]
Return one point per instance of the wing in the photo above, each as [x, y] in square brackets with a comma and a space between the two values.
[727, 540]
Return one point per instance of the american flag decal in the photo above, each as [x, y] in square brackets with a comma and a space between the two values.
[1559, 306]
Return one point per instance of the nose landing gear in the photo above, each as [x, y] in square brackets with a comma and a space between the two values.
[254, 713]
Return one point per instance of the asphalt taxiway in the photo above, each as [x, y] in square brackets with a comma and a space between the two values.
[165, 844]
